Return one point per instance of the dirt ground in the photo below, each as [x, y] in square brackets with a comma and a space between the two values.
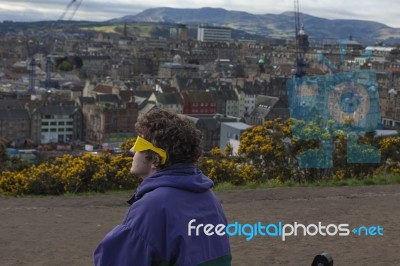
[65, 230]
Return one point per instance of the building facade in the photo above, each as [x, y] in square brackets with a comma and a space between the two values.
[209, 33]
[14, 121]
[105, 121]
[56, 123]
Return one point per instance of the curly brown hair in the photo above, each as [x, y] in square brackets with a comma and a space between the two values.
[173, 133]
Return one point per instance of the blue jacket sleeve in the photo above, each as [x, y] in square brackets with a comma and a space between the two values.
[123, 246]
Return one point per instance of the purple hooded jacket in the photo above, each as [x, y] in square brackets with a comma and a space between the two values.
[155, 229]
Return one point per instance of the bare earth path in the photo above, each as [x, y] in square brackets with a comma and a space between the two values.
[57, 231]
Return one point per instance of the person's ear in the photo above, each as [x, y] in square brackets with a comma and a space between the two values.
[156, 162]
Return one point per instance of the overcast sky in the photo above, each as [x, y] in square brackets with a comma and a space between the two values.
[384, 11]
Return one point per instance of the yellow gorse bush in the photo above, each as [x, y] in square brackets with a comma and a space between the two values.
[89, 172]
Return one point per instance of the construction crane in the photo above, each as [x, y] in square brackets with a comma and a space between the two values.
[301, 47]
[31, 68]
[33, 46]
[302, 44]
[73, 9]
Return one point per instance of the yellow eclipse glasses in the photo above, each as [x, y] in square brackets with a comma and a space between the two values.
[143, 145]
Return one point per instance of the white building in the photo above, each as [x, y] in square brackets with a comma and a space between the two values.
[247, 101]
[210, 33]
[230, 134]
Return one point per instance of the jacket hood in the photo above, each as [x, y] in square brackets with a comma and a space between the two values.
[180, 176]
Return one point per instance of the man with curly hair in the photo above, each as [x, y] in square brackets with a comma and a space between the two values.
[172, 195]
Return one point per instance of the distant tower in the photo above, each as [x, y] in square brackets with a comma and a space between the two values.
[179, 33]
[183, 32]
[125, 30]
[31, 68]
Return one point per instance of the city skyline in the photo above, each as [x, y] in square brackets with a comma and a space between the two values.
[101, 10]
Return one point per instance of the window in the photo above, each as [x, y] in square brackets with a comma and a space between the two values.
[61, 123]
[53, 130]
[45, 123]
[53, 123]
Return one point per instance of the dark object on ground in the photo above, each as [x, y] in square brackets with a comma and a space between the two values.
[323, 259]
